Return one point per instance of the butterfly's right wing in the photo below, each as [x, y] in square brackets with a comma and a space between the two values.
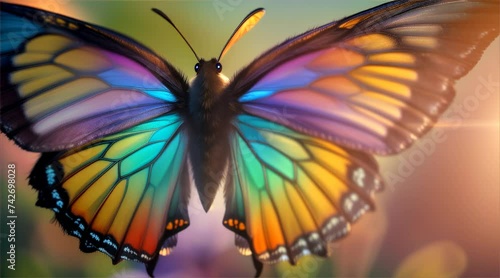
[65, 82]
[125, 195]
[315, 108]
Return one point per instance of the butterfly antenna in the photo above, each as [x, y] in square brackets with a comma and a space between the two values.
[246, 25]
[162, 14]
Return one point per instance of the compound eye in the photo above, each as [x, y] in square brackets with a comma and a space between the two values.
[218, 66]
[197, 67]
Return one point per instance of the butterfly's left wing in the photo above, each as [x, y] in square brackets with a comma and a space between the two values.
[106, 112]
[125, 194]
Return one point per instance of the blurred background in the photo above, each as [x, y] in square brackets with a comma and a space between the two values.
[439, 216]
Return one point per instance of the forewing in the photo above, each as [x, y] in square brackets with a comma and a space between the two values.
[375, 81]
[125, 194]
[289, 194]
[65, 82]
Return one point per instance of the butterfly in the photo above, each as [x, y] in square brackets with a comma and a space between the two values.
[290, 138]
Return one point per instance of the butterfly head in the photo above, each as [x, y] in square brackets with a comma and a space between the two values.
[209, 76]
[213, 64]
[208, 83]
[212, 69]
[211, 72]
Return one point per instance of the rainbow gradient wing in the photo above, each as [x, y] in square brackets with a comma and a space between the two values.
[314, 109]
[289, 194]
[105, 112]
[65, 82]
[375, 81]
[125, 194]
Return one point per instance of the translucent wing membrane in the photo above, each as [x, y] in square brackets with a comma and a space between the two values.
[63, 84]
[290, 194]
[124, 194]
[375, 81]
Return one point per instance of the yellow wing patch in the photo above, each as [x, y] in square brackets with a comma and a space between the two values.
[48, 44]
[393, 58]
[373, 42]
[84, 59]
[337, 57]
[30, 58]
[42, 79]
[62, 95]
